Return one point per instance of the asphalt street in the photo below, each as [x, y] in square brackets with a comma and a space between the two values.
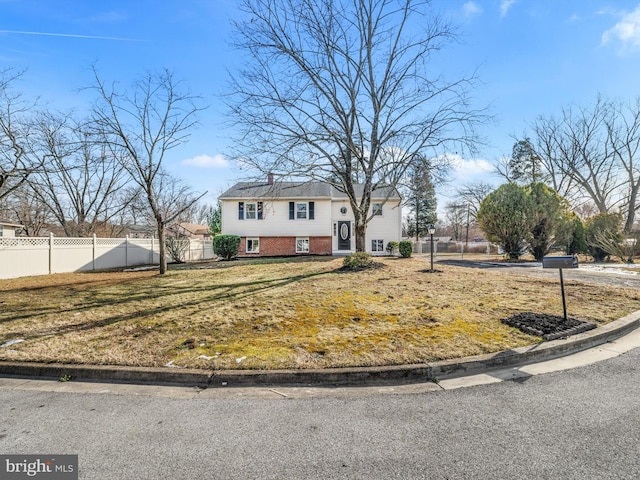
[576, 424]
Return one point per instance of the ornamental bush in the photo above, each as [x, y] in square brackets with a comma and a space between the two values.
[357, 261]
[226, 246]
[406, 248]
[603, 234]
[392, 247]
[177, 248]
[505, 216]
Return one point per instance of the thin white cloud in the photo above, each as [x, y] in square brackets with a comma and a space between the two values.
[207, 161]
[469, 169]
[505, 5]
[471, 9]
[69, 35]
[626, 31]
[574, 18]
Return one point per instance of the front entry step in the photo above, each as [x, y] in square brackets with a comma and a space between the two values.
[342, 253]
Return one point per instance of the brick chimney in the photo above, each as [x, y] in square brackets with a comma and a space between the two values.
[270, 178]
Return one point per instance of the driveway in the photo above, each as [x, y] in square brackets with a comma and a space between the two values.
[627, 276]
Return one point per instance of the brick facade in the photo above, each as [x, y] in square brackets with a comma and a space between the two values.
[286, 246]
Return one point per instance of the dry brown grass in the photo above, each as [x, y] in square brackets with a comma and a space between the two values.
[301, 313]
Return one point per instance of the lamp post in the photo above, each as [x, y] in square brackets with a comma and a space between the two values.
[431, 229]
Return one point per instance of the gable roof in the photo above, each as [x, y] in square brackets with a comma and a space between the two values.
[195, 228]
[243, 190]
[9, 223]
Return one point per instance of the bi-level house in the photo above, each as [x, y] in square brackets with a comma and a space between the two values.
[302, 218]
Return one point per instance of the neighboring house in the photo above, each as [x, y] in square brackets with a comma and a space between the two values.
[289, 218]
[190, 230]
[8, 228]
[139, 231]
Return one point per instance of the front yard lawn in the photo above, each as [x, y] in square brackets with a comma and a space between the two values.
[284, 313]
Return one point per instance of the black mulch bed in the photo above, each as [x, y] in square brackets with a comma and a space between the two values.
[549, 327]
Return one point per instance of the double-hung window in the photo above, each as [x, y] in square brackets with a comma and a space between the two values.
[250, 211]
[302, 210]
[377, 245]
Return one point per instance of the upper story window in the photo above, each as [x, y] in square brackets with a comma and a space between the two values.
[302, 210]
[250, 211]
[377, 209]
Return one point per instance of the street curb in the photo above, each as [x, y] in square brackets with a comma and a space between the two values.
[330, 376]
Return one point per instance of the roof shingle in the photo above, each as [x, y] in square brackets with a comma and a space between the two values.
[298, 190]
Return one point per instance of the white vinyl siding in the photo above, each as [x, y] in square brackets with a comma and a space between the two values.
[386, 227]
[275, 220]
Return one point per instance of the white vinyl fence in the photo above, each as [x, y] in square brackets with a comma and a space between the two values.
[24, 256]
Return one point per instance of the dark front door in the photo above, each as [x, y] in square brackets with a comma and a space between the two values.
[344, 235]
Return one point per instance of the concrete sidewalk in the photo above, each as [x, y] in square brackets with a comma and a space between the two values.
[601, 343]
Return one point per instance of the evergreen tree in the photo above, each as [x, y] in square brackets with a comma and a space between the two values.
[533, 216]
[575, 236]
[525, 165]
[505, 217]
[421, 200]
[549, 220]
[214, 219]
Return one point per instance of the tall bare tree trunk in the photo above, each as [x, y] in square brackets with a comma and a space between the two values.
[162, 240]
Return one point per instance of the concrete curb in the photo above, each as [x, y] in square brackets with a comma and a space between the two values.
[333, 376]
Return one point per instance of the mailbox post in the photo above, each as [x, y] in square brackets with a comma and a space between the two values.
[560, 262]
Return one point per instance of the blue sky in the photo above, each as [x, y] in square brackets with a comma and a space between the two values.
[532, 57]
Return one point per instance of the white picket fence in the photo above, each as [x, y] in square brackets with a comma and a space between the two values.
[25, 256]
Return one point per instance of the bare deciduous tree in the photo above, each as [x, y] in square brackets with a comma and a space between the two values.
[623, 134]
[80, 180]
[343, 92]
[140, 127]
[176, 200]
[15, 162]
[28, 209]
[577, 152]
[591, 155]
[457, 218]
[472, 194]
